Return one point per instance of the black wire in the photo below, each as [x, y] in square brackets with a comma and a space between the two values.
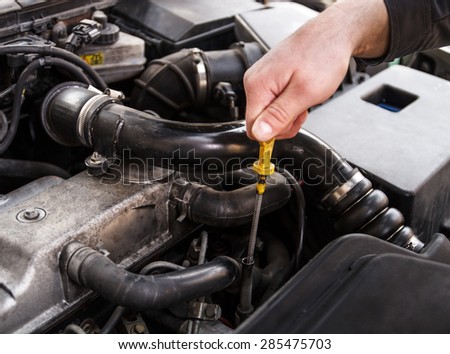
[3, 126]
[17, 102]
[113, 319]
[7, 91]
[74, 70]
[20, 85]
[46, 51]
[300, 204]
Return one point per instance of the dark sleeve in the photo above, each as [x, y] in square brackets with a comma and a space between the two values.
[415, 25]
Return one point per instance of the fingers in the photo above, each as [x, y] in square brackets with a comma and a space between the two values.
[261, 89]
[302, 71]
[295, 127]
[281, 118]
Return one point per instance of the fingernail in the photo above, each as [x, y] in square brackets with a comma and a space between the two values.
[262, 131]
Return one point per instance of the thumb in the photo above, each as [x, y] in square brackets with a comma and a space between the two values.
[278, 116]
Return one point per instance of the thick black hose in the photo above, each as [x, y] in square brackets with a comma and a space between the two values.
[279, 266]
[188, 77]
[208, 206]
[278, 280]
[119, 311]
[47, 51]
[138, 292]
[336, 184]
[30, 169]
[20, 85]
[155, 89]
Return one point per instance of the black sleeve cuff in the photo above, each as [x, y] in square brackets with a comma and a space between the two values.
[410, 28]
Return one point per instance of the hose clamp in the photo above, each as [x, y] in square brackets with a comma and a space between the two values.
[414, 244]
[201, 76]
[338, 193]
[87, 114]
[72, 257]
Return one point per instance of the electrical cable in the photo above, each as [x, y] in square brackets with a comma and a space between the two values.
[300, 204]
[46, 51]
[19, 92]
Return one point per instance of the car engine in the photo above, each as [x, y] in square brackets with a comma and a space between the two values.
[127, 193]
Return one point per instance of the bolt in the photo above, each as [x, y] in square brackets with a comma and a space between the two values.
[138, 329]
[31, 214]
[96, 158]
[210, 311]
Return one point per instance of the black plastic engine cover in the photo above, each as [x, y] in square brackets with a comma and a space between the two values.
[395, 127]
[360, 284]
[168, 26]
[272, 24]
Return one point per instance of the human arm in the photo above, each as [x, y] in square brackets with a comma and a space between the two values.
[306, 68]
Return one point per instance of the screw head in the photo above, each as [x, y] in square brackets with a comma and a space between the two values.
[138, 329]
[30, 215]
[96, 158]
[210, 311]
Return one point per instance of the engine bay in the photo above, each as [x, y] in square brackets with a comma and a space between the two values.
[127, 193]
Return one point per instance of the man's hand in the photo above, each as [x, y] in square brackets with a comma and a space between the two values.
[306, 68]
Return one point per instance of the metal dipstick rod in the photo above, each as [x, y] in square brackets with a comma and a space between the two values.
[264, 168]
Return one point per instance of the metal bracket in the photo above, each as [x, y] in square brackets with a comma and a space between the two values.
[204, 311]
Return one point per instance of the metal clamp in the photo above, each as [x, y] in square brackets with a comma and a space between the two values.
[204, 311]
[86, 114]
[336, 195]
[414, 244]
[202, 77]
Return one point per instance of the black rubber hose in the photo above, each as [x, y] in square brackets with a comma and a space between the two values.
[47, 51]
[32, 170]
[222, 147]
[74, 71]
[199, 146]
[20, 85]
[370, 214]
[211, 207]
[155, 89]
[187, 78]
[119, 311]
[93, 270]
[278, 268]
[278, 281]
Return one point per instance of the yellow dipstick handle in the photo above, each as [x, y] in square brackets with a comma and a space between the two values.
[263, 167]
